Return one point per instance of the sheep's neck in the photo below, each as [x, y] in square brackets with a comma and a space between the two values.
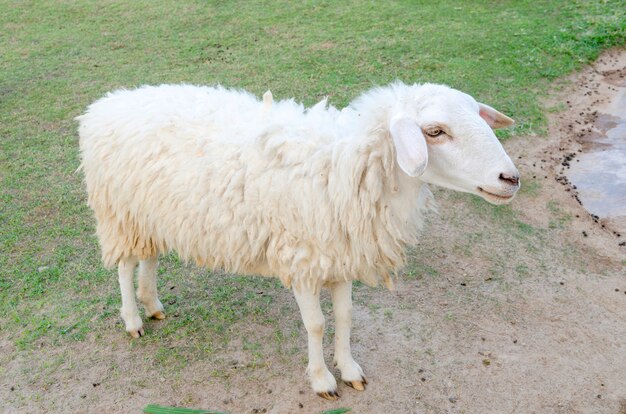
[383, 195]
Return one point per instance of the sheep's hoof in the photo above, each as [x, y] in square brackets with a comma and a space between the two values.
[357, 385]
[137, 333]
[329, 395]
[160, 315]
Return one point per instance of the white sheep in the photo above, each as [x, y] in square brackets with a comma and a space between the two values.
[317, 197]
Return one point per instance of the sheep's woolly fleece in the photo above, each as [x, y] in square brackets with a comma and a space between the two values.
[309, 195]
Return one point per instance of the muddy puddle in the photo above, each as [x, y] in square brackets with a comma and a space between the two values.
[599, 171]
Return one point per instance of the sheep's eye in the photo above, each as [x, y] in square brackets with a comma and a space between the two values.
[434, 132]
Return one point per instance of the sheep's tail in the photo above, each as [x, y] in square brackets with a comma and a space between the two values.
[268, 100]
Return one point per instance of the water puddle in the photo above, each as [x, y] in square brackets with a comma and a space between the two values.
[599, 173]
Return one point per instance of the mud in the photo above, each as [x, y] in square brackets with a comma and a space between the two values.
[599, 172]
[591, 137]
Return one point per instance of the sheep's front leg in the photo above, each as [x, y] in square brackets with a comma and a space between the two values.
[129, 312]
[322, 381]
[147, 289]
[351, 372]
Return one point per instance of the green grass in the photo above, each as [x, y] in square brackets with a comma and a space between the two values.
[558, 218]
[57, 57]
[417, 271]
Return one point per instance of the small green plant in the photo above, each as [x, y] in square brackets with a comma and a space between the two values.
[522, 270]
[388, 314]
[337, 411]
[159, 409]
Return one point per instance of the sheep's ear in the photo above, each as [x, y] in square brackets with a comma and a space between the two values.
[411, 149]
[494, 118]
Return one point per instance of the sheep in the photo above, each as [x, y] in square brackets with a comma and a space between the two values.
[317, 197]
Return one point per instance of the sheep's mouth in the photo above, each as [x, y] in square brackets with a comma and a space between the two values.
[495, 197]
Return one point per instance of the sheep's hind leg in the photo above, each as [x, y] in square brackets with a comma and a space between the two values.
[351, 372]
[129, 312]
[147, 289]
[322, 381]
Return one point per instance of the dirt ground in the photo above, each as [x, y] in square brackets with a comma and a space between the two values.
[519, 309]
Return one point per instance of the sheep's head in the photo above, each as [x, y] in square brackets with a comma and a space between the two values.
[445, 137]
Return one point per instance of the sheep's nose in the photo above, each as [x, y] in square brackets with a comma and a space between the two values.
[512, 179]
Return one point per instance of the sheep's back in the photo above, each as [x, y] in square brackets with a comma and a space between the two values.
[201, 171]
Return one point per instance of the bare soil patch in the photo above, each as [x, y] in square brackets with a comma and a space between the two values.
[592, 135]
[501, 310]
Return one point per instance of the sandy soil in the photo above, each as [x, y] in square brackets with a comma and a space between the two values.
[526, 316]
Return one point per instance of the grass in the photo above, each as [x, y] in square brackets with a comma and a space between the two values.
[158, 409]
[559, 218]
[57, 57]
